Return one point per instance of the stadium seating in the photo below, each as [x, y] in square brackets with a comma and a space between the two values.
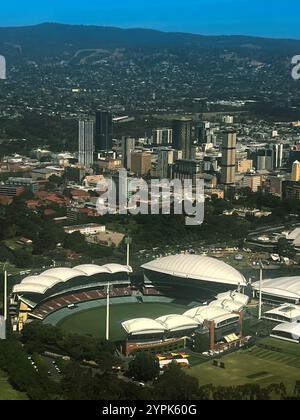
[56, 303]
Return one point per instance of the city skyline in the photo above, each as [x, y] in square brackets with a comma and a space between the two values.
[214, 17]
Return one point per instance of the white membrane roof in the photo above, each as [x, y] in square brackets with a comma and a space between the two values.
[197, 267]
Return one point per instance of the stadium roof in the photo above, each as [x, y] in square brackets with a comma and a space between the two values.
[30, 288]
[288, 311]
[206, 313]
[227, 305]
[197, 267]
[48, 279]
[44, 280]
[234, 296]
[117, 268]
[64, 274]
[143, 326]
[292, 328]
[91, 269]
[283, 287]
[177, 322]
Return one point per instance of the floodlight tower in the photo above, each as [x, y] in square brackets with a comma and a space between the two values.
[128, 242]
[5, 292]
[260, 288]
[107, 312]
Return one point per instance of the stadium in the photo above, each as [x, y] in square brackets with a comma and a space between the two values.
[192, 275]
[51, 291]
[280, 290]
[159, 313]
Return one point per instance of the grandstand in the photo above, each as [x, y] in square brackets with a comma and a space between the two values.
[222, 327]
[287, 332]
[280, 290]
[186, 275]
[58, 288]
[286, 314]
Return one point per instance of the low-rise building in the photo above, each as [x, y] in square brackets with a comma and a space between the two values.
[86, 230]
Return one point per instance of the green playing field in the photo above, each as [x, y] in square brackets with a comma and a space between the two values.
[93, 321]
[255, 366]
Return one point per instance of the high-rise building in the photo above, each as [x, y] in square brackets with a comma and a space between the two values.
[294, 155]
[252, 181]
[182, 137]
[103, 131]
[275, 184]
[296, 171]
[188, 169]
[291, 190]
[128, 146]
[202, 131]
[165, 159]
[260, 163]
[141, 163]
[244, 165]
[162, 136]
[86, 143]
[228, 158]
[277, 155]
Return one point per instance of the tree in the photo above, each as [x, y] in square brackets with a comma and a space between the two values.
[144, 367]
[175, 384]
[285, 248]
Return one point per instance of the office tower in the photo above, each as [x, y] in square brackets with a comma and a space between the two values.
[244, 165]
[228, 158]
[277, 155]
[86, 143]
[103, 131]
[202, 130]
[260, 163]
[291, 190]
[275, 185]
[188, 169]
[296, 171]
[252, 181]
[182, 137]
[141, 163]
[165, 158]
[162, 136]
[294, 155]
[128, 146]
[269, 162]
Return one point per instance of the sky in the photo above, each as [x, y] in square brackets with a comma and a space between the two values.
[271, 18]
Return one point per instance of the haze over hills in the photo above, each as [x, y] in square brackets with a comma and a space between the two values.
[51, 39]
[144, 71]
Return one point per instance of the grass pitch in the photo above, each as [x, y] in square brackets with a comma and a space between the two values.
[93, 321]
[255, 366]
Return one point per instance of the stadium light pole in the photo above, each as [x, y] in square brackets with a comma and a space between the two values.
[5, 291]
[107, 313]
[128, 242]
[260, 288]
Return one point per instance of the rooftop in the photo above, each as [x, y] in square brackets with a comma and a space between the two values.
[197, 267]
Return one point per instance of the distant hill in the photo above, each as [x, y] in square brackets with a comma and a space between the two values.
[51, 39]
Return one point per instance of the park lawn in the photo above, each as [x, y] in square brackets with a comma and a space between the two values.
[282, 346]
[7, 392]
[245, 367]
[93, 321]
